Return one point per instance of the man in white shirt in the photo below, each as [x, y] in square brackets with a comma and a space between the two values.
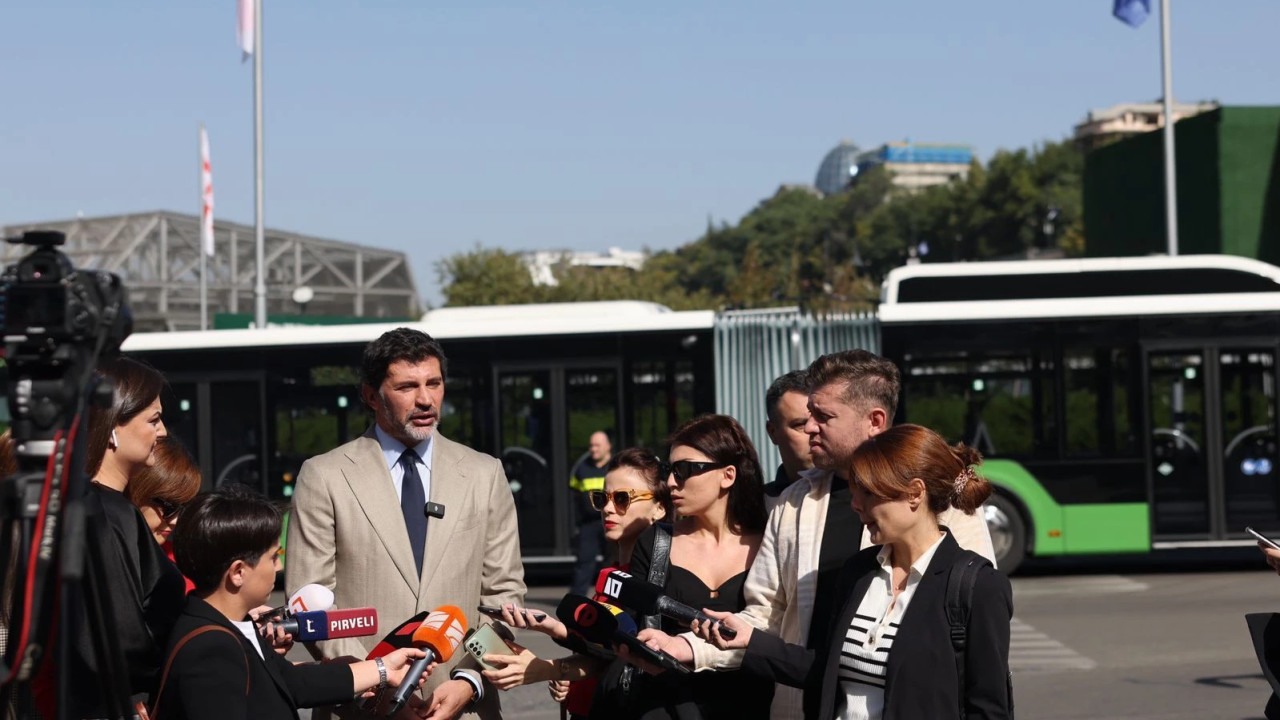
[812, 530]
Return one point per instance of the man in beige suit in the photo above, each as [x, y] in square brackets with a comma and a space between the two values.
[360, 521]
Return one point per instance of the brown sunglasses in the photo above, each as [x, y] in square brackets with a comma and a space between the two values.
[622, 499]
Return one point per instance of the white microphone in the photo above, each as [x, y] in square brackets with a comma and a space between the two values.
[309, 598]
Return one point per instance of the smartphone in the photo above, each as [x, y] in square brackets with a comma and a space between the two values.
[1263, 538]
[496, 613]
[490, 639]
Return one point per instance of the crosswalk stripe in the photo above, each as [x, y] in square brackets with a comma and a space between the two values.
[1031, 650]
[1060, 586]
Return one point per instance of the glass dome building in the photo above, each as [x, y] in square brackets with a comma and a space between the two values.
[837, 168]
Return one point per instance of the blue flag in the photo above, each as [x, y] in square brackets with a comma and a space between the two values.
[1132, 12]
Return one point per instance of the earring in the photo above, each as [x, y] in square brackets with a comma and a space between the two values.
[115, 441]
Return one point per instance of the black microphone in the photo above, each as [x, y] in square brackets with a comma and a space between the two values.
[607, 625]
[647, 599]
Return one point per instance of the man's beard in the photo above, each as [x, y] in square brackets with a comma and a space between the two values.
[411, 431]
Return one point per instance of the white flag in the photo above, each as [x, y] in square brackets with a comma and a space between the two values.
[206, 195]
[244, 27]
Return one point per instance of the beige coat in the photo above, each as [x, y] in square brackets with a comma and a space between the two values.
[347, 532]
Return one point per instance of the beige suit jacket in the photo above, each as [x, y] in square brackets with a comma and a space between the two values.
[347, 532]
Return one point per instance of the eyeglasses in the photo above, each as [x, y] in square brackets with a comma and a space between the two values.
[622, 499]
[682, 470]
[168, 509]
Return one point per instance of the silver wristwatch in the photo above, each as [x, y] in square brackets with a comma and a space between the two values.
[382, 673]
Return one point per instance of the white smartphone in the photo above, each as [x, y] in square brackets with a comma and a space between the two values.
[493, 638]
[1263, 538]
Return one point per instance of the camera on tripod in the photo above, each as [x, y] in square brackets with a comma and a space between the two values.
[57, 322]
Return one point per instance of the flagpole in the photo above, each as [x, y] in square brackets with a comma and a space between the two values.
[260, 285]
[1170, 167]
[204, 281]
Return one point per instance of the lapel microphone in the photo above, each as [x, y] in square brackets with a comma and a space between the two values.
[433, 510]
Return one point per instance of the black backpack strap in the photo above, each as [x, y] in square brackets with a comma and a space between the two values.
[659, 563]
[960, 583]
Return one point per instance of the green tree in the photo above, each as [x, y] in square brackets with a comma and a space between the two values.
[487, 277]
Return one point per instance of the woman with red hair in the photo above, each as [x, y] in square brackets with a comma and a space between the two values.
[888, 652]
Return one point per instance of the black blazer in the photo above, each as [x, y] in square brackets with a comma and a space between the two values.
[921, 679]
[207, 678]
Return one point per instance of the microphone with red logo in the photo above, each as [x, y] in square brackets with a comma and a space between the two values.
[315, 625]
[608, 625]
[439, 635]
[400, 637]
[648, 599]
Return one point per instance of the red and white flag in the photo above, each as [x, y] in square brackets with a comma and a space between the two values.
[206, 195]
[244, 27]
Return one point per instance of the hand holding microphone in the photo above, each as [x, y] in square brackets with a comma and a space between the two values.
[648, 599]
[713, 630]
[437, 636]
[270, 621]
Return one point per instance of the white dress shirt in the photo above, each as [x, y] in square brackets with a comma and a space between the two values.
[392, 449]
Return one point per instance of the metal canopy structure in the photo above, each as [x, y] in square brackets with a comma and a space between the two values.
[157, 255]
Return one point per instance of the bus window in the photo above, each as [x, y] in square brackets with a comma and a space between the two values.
[1098, 402]
[661, 399]
[1000, 403]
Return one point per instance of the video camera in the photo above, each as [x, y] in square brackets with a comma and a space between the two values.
[57, 323]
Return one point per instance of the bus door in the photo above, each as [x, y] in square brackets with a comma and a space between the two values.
[545, 416]
[1212, 450]
[219, 419]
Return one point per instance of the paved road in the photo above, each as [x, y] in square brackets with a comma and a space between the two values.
[1109, 643]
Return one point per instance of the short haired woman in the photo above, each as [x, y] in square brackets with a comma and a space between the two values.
[888, 654]
[228, 543]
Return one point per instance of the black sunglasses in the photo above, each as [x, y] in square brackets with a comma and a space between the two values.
[168, 509]
[682, 470]
[622, 499]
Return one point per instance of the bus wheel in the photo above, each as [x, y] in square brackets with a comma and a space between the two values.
[1008, 532]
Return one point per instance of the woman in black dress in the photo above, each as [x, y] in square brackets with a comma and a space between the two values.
[144, 588]
[718, 495]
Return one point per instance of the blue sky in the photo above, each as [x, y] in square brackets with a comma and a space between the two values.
[432, 126]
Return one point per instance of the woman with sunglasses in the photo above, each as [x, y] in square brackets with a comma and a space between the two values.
[888, 651]
[161, 490]
[718, 495]
[633, 499]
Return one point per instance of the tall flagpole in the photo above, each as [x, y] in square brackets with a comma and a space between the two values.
[260, 285]
[1170, 167]
[204, 281]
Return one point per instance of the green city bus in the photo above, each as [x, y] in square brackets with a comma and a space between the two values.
[1122, 405]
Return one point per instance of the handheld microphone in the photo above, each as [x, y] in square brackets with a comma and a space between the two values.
[439, 634]
[647, 599]
[608, 625]
[400, 637]
[309, 597]
[315, 625]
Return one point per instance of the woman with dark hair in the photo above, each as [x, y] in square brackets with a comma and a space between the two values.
[889, 651]
[218, 667]
[144, 588]
[633, 499]
[701, 560]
